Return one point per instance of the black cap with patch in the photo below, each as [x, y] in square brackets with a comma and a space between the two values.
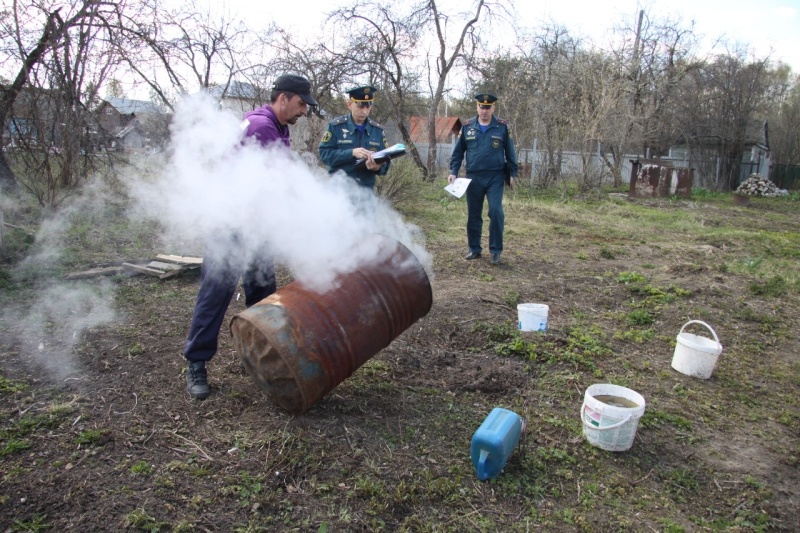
[298, 85]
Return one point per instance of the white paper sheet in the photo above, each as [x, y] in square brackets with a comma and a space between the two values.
[458, 187]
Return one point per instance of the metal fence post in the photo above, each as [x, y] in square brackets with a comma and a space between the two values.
[2, 228]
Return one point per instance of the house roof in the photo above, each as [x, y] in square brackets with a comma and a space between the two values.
[444, 127]
[236, 89]
[132, 107]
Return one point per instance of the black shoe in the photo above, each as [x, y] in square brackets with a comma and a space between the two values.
[496, 259]
[197, 380]
[472, 255]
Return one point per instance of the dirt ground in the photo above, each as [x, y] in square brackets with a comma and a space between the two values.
[117, 445]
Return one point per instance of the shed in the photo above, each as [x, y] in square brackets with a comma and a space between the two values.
[447, 129]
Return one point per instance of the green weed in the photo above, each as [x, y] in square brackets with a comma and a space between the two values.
[638, 336]
[606, 253]
[36, 523]
[89, 437]
[774, 287]
[639, 317]
[631, 277]
[245, 488]
[680, 482]
[14, 445]
[11, 386]
[654, 418]
[511, 298]
[752, 265]
[141, 467]
[139, 519]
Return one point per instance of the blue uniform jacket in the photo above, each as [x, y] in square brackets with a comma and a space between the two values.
[336, 148]
[487, 153]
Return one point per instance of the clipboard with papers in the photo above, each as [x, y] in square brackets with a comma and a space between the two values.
[385, 155]
[458, 187]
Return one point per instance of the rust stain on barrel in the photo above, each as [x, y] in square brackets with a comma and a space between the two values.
[298, 344]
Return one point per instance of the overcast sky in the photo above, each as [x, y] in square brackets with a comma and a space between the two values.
[770, 27]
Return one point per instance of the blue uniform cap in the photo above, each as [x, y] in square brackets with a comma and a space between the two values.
[363, 94]
[486, 98]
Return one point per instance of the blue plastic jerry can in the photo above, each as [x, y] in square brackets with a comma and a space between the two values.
[494, 441]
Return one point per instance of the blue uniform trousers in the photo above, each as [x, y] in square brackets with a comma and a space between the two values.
[223, 265]
[491, 186]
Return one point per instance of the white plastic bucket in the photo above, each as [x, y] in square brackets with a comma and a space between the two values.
[533, 317]
[695, 355]
[611, 427]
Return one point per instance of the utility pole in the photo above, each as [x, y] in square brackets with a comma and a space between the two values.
[634, 76]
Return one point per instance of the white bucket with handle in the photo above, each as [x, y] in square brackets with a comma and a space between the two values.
[533, 317]
[695, 355]
[610, 416]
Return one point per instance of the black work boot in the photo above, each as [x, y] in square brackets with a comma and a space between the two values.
[197, 380]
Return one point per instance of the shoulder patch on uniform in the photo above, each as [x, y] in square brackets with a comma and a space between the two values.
[339, 120]
[327, 136]
[375, 124]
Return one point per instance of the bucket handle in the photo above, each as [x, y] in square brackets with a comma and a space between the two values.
[716, 339]
[612, 426]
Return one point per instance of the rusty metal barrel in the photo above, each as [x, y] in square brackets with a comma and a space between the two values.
[299, 344]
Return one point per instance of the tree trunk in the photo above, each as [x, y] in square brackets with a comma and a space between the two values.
[2, 229]
[432, 140]
[7, 180]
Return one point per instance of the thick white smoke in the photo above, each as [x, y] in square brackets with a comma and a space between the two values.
[213, 185]
[52, 316]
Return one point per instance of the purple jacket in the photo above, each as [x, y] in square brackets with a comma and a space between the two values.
[264, 126]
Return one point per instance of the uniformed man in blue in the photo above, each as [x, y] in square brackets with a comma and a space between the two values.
[355, 137]
[491, 160]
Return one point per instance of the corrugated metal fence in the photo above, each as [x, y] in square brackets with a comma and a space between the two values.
[532, 164]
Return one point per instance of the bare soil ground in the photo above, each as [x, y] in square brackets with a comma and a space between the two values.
[116, 444]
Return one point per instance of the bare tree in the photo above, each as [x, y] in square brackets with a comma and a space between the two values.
[388, 45]
[48, 104]
[446, 57]
[663, 53]
[724, 106]
[548, 59]
[286, 54]
[384, 45]
[177, 50]
[784, 117]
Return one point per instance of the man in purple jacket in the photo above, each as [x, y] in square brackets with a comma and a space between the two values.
[224, 260]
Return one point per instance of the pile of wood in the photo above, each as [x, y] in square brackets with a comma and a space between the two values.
[757, 185]
[162, 267]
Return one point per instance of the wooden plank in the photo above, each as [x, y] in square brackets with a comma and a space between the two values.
[181, 259]
[158, 265]
[95, 272]
[142, 269]
[178, 272]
